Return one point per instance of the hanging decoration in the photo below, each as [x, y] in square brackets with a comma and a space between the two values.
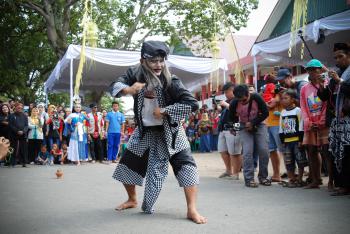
[215, 51]
[298, 25]
[90, 38]
[230, 42]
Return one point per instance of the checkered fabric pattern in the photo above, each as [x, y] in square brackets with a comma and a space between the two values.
[117, 88]
[123, 174]
[160, 144]
[188, 176]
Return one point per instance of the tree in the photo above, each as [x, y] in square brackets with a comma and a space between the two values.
[25, 58]
[36, 33]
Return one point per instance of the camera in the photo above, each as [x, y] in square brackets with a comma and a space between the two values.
[278, 88]
[324, 76]
[214, 100]
[233, 126]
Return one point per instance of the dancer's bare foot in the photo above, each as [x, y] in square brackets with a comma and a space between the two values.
[127, 205]
[196, 217]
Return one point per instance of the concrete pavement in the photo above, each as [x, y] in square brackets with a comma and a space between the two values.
[34, 201]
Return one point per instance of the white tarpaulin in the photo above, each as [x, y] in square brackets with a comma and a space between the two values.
[336, 28]
[109, 64]
[331, 24]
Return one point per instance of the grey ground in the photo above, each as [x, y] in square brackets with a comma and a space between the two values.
[34, 201]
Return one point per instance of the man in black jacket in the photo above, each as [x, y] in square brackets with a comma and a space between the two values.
[252, 111]
[160, 103]
[18, 123]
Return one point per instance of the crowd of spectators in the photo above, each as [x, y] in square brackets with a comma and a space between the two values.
[40, 135]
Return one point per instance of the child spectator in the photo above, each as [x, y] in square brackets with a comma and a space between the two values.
[191, 133]
[44, 157]
[269, 88]
[314, 117]
[56, 152]
[64, 153]
[291, 134]
[205, 127]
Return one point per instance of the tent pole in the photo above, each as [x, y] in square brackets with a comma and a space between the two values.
[71, 84]
[46, 97]
[224, 77]
[255, 74]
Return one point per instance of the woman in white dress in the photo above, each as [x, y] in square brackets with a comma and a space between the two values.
[76, 149]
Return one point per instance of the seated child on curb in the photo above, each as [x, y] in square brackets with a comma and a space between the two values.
[44, 157]
[64, 153]
[291, 134]
[56, 153]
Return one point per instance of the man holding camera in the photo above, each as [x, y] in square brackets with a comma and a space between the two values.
[251, 110]
[287, 81]
[229, 145]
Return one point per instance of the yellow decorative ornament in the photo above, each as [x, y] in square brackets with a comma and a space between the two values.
[91, 34]
[298, 23]
[215, 51]
[90, 37]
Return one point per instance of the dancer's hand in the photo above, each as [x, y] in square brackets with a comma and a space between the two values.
[134, 89]
[157, 113]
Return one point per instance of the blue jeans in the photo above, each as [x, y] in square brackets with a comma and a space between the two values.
[113, 141]
[274, 139]
[258, 142]
[53, 140]
[205, 143]
[214, 142]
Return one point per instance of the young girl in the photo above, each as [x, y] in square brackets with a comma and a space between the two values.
[64, 153]
[56, 153]
[314, 116]
[76, 150]
[291, 134]
[204, 129]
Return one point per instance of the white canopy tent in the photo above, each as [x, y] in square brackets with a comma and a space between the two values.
[336, 28]
[108, 64]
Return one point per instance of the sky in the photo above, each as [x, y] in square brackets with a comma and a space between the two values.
[258, 18]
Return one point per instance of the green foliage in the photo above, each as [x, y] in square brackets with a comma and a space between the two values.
[106, 103]
[34, 34]
[26, 57]
[59, 99]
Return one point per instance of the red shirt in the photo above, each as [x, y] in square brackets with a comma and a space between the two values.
[96, 123]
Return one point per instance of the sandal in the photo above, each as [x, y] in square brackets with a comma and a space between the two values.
[301, 184]
[265, 182]
[251, 184]
[289, 184]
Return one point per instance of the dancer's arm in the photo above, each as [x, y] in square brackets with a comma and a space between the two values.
[184, 102]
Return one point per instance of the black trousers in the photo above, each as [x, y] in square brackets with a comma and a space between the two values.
[20, 151]
[104, 148]
[96, 148]
[342, 179]
[139, 164]
[33, 148]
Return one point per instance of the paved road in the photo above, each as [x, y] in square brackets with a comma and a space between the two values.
[33, 201]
